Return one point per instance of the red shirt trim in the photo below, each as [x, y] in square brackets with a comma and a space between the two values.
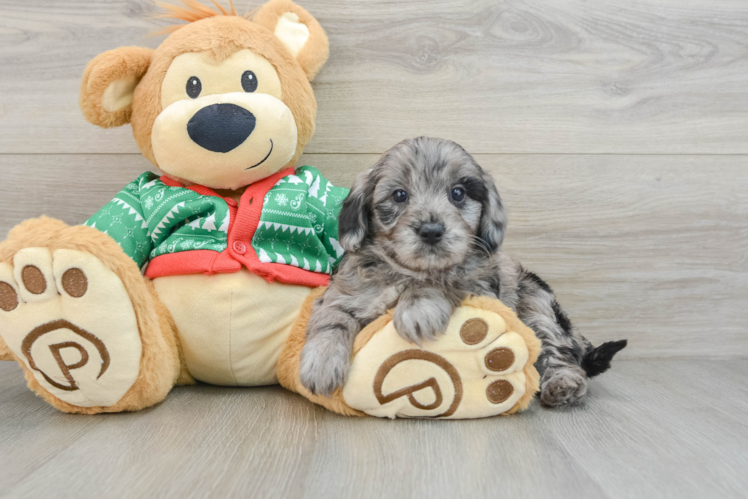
[244, 221]
[191, 262]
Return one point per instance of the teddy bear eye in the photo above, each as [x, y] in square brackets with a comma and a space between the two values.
[400, 196]
[249, 81]
[194, 87]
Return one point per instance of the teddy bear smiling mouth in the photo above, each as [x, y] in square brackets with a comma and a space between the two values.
[263, 160]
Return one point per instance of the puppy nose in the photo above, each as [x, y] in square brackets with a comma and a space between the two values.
[431, 232]
[221, 127]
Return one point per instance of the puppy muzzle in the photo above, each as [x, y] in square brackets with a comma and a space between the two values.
[431, 233]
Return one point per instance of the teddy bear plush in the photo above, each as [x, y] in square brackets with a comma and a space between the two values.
[208, 272]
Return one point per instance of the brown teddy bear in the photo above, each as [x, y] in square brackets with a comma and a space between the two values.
[208, 272]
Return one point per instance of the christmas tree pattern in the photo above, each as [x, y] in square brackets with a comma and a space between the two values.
[299, 222]
[149, 218]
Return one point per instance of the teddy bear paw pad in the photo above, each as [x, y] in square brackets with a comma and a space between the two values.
[70, 320]
[476, 369]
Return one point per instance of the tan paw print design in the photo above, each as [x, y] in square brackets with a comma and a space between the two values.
[480, 367]
[70, 320]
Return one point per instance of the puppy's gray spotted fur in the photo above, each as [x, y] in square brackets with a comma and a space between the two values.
[390, 264]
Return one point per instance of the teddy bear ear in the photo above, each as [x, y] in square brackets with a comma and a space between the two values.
[298, 30]
[109, 83]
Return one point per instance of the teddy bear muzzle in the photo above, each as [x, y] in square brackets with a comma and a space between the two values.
[224, 141]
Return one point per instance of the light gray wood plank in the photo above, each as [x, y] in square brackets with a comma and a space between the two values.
[665, 428]
[32, 433]
[662, 76]
[497, 458]
[67, 187]
[649, 248]
[260, 434]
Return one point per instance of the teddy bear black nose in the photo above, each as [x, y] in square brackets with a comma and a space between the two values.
[221, 127]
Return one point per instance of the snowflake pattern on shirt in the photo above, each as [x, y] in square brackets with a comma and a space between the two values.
[298, 224]
[149, 218]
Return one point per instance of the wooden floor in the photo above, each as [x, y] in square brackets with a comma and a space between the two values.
[617, 133]
[651, 428]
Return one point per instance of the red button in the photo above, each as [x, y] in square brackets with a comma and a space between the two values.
[239, 247]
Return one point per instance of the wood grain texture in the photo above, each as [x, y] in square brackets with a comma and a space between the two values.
[616, 132]
[559, 76]
[649, 248]
[651, 428]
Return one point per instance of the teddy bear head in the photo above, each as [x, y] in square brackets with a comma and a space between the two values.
[224, 101]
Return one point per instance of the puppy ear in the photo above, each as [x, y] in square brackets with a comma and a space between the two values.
[109, 83]
[353, 221]
[298, 30]
[493, 217]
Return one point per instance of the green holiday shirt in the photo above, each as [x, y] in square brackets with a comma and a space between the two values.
[156, 220]
[299, 222]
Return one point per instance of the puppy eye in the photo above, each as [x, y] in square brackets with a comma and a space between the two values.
[400, 196]
[458, 194]
[194, 87]
[249, 81]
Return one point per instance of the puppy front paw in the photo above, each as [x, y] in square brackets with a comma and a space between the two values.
[422, 319]
[324, 365]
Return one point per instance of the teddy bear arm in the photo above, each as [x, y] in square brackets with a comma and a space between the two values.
[327, 203]
[299, 222]
[124, 219]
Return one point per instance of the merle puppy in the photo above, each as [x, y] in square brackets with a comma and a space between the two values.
[422, 230]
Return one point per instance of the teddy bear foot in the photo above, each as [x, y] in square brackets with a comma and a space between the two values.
[482, 366]
[70, 321]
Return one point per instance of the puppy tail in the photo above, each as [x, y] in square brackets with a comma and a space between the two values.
[597, 360]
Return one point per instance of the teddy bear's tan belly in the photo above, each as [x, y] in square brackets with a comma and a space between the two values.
[231, 326]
